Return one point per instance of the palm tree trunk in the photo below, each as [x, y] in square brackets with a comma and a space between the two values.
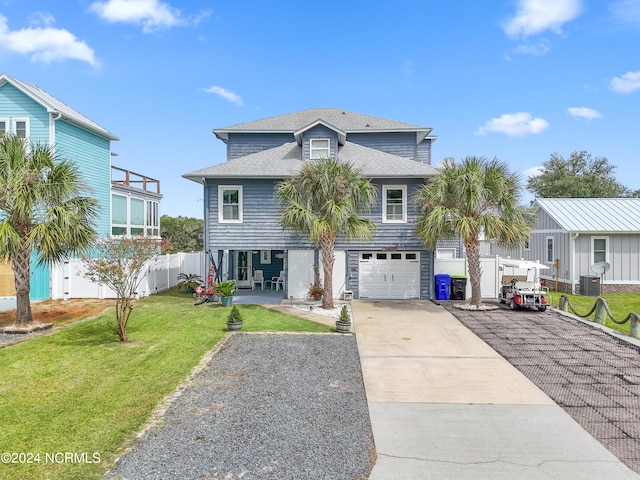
[326, 246]
[21, 262]
[475, 274]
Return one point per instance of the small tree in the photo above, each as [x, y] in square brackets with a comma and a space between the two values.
[119, 264]
[323, 201]
[466, 199]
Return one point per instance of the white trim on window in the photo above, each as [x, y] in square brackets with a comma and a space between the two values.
[20, 127]
[550, 252]
[600, 257]
[323, 151]
[265, 257]
[394, 210]
[233, 211]
[4, 125]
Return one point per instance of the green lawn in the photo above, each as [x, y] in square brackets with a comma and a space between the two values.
[80, 391]
[620, 305]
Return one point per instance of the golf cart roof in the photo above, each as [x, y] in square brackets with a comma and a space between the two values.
[507, 262]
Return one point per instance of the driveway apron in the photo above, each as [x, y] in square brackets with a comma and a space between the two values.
[445, 405]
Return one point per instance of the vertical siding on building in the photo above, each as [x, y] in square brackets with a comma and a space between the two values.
[92, 154]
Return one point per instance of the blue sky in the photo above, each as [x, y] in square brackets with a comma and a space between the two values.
[512, 79]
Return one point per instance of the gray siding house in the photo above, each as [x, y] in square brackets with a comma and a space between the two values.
[579, 232]
[242, 229]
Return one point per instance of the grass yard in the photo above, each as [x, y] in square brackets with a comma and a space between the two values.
[79, 391]
[620, 305]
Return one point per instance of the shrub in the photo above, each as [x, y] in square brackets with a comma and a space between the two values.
[344, 315]
[234, 316]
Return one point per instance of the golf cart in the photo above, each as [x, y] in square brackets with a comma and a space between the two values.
[523, 290]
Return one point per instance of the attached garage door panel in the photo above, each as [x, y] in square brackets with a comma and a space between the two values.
[389, 275]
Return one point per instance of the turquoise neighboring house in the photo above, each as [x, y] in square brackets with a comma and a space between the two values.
[29, 112]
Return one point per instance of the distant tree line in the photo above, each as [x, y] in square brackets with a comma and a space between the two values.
[181, 234]
[579, 176]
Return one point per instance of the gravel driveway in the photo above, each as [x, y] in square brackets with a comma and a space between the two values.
[267, 406]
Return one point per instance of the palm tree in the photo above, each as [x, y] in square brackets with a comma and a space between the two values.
[41, 211]
[322, 202]
[467, 199]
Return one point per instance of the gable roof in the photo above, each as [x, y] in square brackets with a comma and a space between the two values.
[286, 160]
[55, 106]
[593, 215]
[343, 120]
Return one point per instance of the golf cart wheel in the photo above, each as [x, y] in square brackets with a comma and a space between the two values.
[542, 308]
[513, 305]
[502, 300]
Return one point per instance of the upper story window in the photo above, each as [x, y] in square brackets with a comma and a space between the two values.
[230, 204]
[21, 127]
[599, 249]
[130, 217]
[394, 209]
[319, 148]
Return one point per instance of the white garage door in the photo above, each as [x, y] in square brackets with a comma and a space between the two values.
[389, 275]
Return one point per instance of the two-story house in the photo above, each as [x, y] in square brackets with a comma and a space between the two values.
[242, 220]
[128, 202]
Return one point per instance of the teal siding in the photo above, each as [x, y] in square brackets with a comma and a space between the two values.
[92, 154]
[15, 104]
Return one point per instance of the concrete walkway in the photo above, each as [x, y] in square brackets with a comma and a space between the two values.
[444, 405]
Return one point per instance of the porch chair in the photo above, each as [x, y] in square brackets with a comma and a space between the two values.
[258, 277]
[278, 281]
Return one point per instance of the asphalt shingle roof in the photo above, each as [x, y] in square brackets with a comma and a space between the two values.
[348, 122]
[593, 215]
[52, 104]
[286, 160]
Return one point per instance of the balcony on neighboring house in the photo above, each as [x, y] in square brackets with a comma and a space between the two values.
[127, 178]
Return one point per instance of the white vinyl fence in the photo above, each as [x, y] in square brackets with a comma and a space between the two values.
[68, 281]
[489, 266]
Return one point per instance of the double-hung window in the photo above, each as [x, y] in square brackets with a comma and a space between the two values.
[319, 148]
[394, 208]
[4, 125]
[599, 249]
[550, 253]
[21, 127]
[230, 204]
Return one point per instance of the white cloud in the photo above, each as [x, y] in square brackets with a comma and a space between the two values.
[537, 16]
[227, 95]
[151, 14]
[514, 125]
[533, 171]
[45, 44]
[627, 83]
[584, 112]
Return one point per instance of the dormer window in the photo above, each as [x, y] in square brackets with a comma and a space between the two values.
[319, 148]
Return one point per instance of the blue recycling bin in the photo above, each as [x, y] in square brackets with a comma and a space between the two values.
[443, 286]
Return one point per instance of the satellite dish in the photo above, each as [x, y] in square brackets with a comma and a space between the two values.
[600, 267]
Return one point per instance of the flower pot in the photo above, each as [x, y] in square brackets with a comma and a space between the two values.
[226, 301]
[232, 326]
[343, 327]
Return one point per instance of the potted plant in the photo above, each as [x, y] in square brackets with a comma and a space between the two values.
[234, 320]
[189, 282]
[343, 324]
[226, 290]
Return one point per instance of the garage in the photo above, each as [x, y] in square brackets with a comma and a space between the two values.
[389, 275]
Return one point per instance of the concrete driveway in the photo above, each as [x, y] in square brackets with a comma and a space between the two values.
[445, 405]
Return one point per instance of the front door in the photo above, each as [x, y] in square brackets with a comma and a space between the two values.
[242, 268]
